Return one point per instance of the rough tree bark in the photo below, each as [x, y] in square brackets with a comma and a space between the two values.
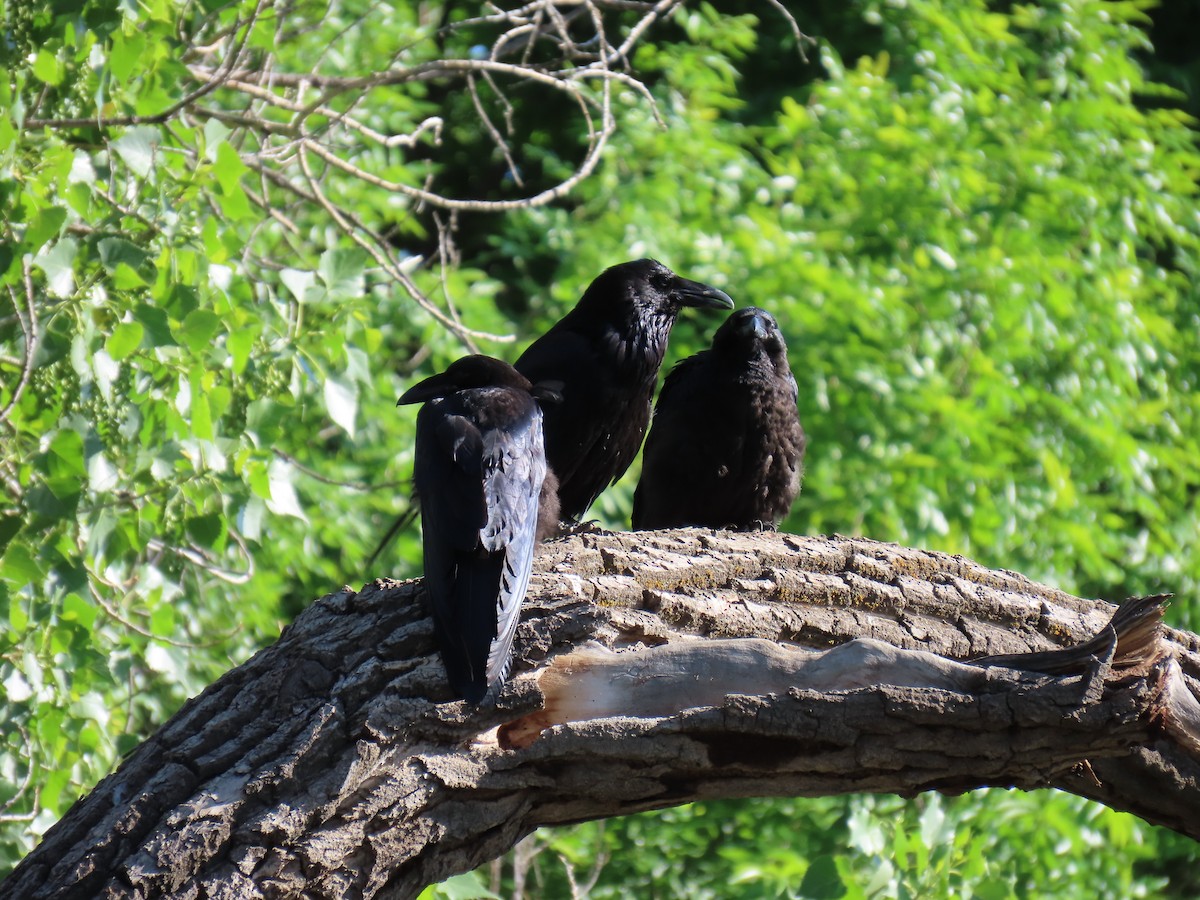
[333, 763]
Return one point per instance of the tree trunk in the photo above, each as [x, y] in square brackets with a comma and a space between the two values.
[334, 764]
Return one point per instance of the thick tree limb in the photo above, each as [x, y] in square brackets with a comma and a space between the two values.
[333, 764]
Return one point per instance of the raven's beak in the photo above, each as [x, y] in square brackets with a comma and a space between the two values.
[693, 293]
[760, 325]
[751, 326]
[430, 389]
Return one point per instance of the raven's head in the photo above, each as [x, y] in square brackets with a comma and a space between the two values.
[752, 333]
[650, 289]
[476, 371]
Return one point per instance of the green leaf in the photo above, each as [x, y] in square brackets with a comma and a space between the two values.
[65, 458]
[102, 474]
[77, 609]
[240, 343]
[57, 264]
[201, 412]
[82, 177]
[19, 568]
[163, 620]
[124, 340]
[284, 501]
[16, 688]
[126, 54]
[136, 148]
[45, 225]
[230, 169]
[9, 526]
[300, 283]
[116, 251]
[341, 399]
[126, 279]
[99, 533]
[47, 68]
[822, 881]
[342, 273]
[215, 133]
[250, 518]
[197, 329]
[181, 300]
[157, 325]
[467, 886]
[18, 617]
[206, 530]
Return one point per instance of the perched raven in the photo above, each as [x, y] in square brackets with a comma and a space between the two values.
[726, 446]
[481, 480]
[605, 355]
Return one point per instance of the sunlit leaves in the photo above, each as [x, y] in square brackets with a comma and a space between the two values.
[197, 329]
[982, 249]
[57, 264]
[341, 399]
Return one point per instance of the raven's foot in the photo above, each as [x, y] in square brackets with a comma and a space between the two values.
[569, 528]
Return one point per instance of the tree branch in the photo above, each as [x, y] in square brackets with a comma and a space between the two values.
[653, 669]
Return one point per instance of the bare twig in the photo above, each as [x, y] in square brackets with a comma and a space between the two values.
[305, 132]
[349, 485]
[26, 780]
[29, 327]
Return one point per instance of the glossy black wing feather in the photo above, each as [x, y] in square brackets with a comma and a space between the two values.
[514, 467]
[479, 468]
[447, 482]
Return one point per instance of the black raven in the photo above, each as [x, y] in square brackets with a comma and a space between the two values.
[605, 354]
[480, 477]
[726, 446]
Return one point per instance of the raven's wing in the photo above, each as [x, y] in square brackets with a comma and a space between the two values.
[480, 463]
[447, 477]
[514, 467]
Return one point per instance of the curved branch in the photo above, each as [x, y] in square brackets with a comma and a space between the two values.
[335, 762]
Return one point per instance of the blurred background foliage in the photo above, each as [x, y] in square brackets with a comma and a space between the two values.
[976, 222]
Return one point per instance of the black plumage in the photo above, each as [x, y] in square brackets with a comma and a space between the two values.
[480, 474]
[726, 447]
[604, 356]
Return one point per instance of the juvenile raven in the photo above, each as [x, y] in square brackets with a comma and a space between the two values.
[481, 480]
[605, 353]
[726, 446]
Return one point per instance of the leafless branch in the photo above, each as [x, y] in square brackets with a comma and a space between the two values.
[26, 780]
[29, 327]
[321, 133]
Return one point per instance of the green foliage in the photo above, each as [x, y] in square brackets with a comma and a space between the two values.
[979, 236]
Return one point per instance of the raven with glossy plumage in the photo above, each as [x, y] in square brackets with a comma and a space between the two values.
[486, 498]
[726, 447]
[605, 354]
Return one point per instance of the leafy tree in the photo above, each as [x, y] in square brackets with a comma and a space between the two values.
[976, 222]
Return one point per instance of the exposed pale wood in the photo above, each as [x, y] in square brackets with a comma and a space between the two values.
[333, 764]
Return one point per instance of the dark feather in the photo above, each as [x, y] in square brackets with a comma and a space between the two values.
[603, 358]
[479, 473]
[726, 446]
